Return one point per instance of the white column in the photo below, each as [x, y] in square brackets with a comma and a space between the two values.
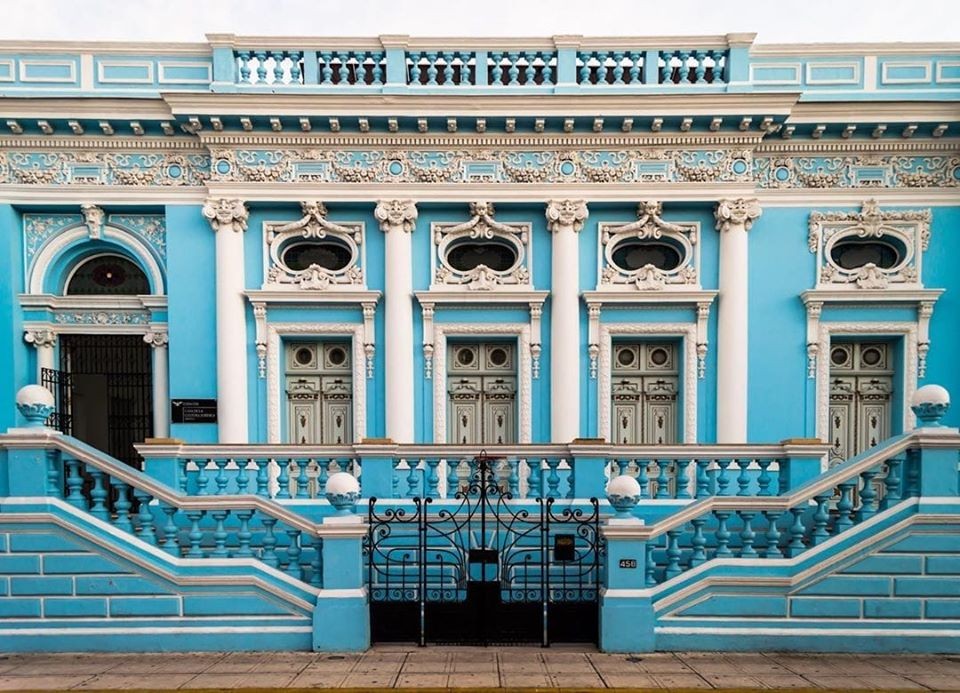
[734, 219]
[397, 220]
[229, 220]
[161, 388]
[565, 218]
[44, 341]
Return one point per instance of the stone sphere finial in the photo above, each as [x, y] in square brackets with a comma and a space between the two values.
[35, 403]
[343, 491]
[929, 403]
[623, 492]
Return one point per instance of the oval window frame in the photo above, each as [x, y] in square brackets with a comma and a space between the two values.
[495, 241]
[679, 248]
[896, 244]
[327, 240]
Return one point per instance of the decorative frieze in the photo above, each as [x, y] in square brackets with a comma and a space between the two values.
[869, 170]
[87, 167]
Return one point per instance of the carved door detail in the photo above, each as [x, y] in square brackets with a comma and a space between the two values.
[644, 382]
[861, 391]
[482, 393]
[319, 386]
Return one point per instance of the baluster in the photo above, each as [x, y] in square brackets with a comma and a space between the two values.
[650, 567]
[202, 479]
[293, 554]
[283, 479]
[772, 549]
[698, 542]
[415, 68]
[145, 528]
[845, 507]
[75, 485]
[513, 478]
[663, 481]
[496, 69]
[294, 67]
[243, 479]
[453, 477]
[530, 72]
[377, 72]
[796, 533]
[571, 476]
[747, 535]
[98, 496]
[635, 68]
[764, 480]
[643, 479]
[514, 69]
[54, 487]
[244, 535]
[433, 478]
[278, 70]
[673, 553]
[394, 481]
[323, 474]
[220, 534]
[261, 67]
[263, 477]
[681, 480]
[623, 466]
[820, 519]
[701, 68]
[618, 68]
[432, 69]
[703, 481]
[447, 69]
[196, 534]
[473, 469]
[585, 68]
[743, 478]
[412, 477]
[546, 74]
[716, 76]
[535, 478]
[602, 70]
[666, 70]
[316, 563]
[723, 481]
[122, 506]
[326, 71]
[244, 57]
[891, 484]
[684, 66]
[268, 544]
[868, 497]
[221, 477]
[553, 478]
[343, 72]
[722, 534]
[303, 480]
[171, 538]
[184, 471]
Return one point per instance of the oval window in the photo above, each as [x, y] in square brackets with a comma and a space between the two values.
[107, 274]
[329, 255]
[499, 257]
[631, 255]
[850, 255]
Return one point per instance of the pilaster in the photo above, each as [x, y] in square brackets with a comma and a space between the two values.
[161, 388]
[45, 342]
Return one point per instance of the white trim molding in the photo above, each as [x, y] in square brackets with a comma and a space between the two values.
[521, 332]
[274, 355]
[686, 331]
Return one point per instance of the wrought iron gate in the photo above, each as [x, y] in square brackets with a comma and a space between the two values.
[483, 569]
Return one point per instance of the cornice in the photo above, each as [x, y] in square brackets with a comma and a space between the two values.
[818, 49]
[665, 297]
[483, 103]
[854, 296]
[200, 50]
[468, 297]
[807, 197]
[82, 108]
[101, 142]
[54, 302]
[103, 194]
[304, 297]
[874, 112]
[902, 146]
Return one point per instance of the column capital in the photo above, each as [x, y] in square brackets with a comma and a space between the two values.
[739, 212]
[566, 213]
[396, 214]
[40, 338]
[226, 214]
[156, 339]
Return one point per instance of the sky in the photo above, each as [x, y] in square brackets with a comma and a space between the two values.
[775, 21]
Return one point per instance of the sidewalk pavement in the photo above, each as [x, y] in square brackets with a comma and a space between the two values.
[554, 668]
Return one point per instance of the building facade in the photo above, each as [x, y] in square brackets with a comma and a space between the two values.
[479, 243]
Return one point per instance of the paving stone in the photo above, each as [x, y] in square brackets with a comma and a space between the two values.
[49, 683]
[436, 666]
[534, 667]
[861, 682]
[575, 680]
[474, 680]
[318, 679]
[937, 682]
[383, 679]
[525, 680]
[631, 680]
[680, 681]
[137, 681]
[172, 664]
[460, 666]
[421, 680]
[58, 668]
[733, 681]
[239, 681]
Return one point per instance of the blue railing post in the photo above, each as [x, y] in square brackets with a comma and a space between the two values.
[311, 68]
[395, 49]
[161, 460]
[588, 460]
[626, 618]
[567, 49]
[737, 73]
[26, 466]
[341, 619]
[376, 464]
[802, 461]
[651, 67]
[224, 62]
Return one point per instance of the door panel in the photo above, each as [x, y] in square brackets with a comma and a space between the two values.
[861, 395]
[482, 393]
[644, 382]
[319, 393]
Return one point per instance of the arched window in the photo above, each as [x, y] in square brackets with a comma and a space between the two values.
[107, 274]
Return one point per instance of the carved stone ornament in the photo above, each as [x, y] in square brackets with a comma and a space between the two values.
[40, 338]
[650, 226]
[313, 226]
[482, 227]
[93, 217]
[904, 233]
[156, 339]
[394, 214]
[741, 212]
[566, 213]
[225, 214]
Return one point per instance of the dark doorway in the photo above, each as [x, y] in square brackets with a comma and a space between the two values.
[104, 392]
